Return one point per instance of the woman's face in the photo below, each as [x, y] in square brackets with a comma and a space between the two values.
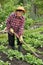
[19, 13]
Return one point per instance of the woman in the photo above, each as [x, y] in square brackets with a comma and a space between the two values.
[15, 23]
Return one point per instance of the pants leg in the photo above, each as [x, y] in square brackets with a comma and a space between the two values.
[18, 42]
[11, 39]
[19, 45]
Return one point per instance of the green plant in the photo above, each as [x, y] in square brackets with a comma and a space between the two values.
[4, 63]
[32, 59]
[15, 53]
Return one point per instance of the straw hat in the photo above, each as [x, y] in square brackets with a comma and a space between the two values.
[21, 8]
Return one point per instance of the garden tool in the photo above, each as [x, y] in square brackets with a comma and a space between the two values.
[25, 44]
[22, 42]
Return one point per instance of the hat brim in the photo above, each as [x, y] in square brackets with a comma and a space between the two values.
[21, 10]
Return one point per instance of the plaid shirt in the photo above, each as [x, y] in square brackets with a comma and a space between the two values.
[17, 23]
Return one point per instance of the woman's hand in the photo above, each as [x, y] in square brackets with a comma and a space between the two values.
[21, 38]
[11, 30]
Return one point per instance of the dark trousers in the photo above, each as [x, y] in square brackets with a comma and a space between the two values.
[11, 40]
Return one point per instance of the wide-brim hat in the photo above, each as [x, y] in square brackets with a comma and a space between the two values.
[21, 8]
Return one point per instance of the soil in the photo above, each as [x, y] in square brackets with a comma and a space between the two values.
[40, 55]
[14, 61]
[40, 49]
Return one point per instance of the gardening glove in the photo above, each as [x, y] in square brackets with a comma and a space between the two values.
[11, 30]
[21, 39]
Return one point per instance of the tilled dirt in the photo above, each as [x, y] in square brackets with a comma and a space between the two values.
[40, 55]
[14, 61]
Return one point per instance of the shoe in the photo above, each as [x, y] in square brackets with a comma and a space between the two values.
[13, 47]
[9, 47]
[19, 48]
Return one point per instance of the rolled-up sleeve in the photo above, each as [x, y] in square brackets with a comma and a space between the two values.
[21, 27]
